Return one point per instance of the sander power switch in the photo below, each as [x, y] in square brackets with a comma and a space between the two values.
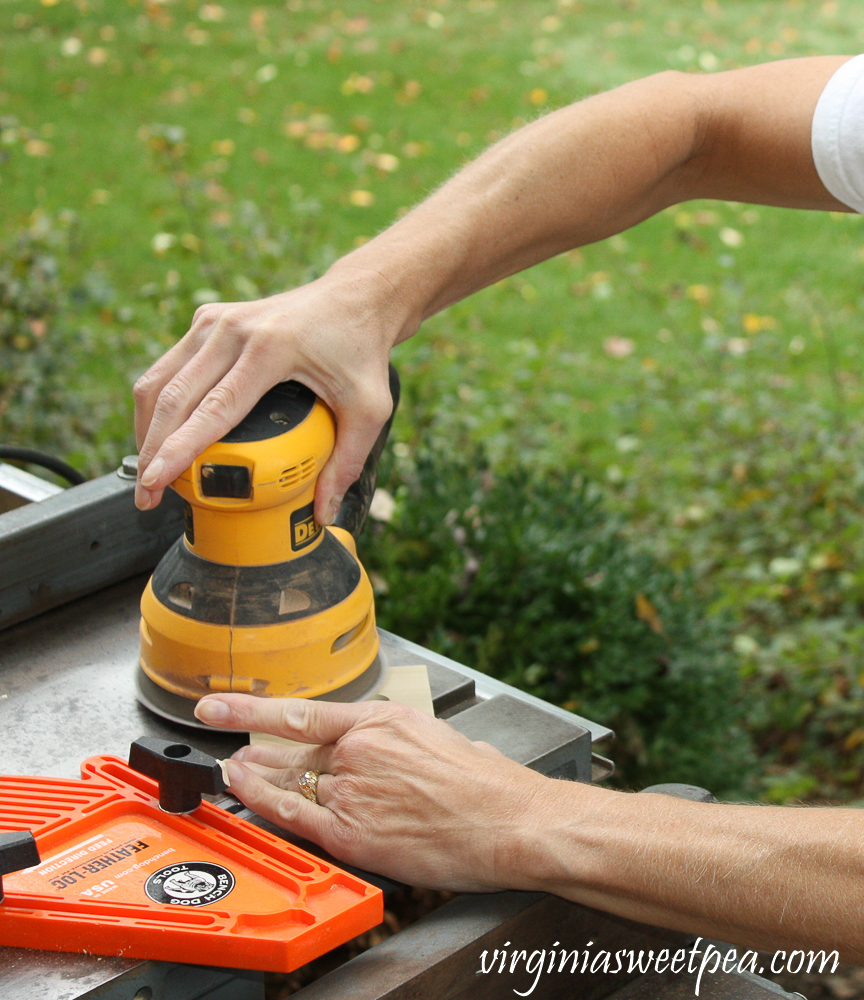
[233, 482]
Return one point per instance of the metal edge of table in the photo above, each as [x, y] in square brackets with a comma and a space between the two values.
[488, 687]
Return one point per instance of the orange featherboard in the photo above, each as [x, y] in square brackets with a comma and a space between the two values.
[119, 876]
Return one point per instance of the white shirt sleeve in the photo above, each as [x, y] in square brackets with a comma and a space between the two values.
[837, 136]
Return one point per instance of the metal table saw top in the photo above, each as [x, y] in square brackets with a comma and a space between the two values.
[67, 688]
[67, 692]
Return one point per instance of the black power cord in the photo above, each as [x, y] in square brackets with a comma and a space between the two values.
[34, 457]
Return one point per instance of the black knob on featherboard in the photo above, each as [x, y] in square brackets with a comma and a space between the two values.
[184, 774]
[17, 850]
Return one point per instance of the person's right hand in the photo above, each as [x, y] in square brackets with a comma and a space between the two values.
[333, 335]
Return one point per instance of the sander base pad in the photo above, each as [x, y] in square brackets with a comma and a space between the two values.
[177, 709]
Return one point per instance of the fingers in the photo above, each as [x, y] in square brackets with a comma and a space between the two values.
[293, 718]
[200, 389]
[235, 352]
[194, 415]
[358, 424]
[298, 759]
[288, 779]
[177, 400]
[153, 381]
[287, 809]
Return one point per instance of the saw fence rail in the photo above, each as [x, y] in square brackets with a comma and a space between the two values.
[67, 692]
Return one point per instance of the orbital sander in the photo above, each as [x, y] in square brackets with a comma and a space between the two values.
[255, 596]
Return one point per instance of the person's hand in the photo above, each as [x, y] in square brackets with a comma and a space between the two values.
[400, 793]
[334, 335]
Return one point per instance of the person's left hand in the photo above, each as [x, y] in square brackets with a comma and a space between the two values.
[400, 793]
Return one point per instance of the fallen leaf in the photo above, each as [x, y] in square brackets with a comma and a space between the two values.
[387, 162]
[618, 347]
[163, 242]
[355, 25]
[853, 740]
[383, 505]
[267, 73]
[36, 147]
[826, 560]
[211, 12]
[700, 294]
[646, 612]
[736, 346]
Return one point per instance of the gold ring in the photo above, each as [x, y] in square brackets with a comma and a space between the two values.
[308, 782]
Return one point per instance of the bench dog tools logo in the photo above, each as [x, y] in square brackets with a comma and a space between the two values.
[195, 883]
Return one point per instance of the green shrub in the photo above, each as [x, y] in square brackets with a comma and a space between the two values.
[528, 578]
[769, 510]
[37, 348]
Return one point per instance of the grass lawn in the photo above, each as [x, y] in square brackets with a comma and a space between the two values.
[704, 367]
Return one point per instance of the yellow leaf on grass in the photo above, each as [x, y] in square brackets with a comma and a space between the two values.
[753, 323]
[699, 293]
[646, 612]
[853, 740]
[36, 147]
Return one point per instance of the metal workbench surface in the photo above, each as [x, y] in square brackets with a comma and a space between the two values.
[67, 692]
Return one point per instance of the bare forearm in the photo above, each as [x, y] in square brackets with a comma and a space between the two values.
[762, 877]
[573, 177]
[600, 166]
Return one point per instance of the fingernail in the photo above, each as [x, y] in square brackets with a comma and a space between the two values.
[333, 509]
[142, 500]
[223, 764]
[211, 711]
[152, 472]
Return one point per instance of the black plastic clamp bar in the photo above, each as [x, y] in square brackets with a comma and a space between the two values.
[17, 850]
[183, 772]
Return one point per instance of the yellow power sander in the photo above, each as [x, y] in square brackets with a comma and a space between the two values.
[255, 596]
